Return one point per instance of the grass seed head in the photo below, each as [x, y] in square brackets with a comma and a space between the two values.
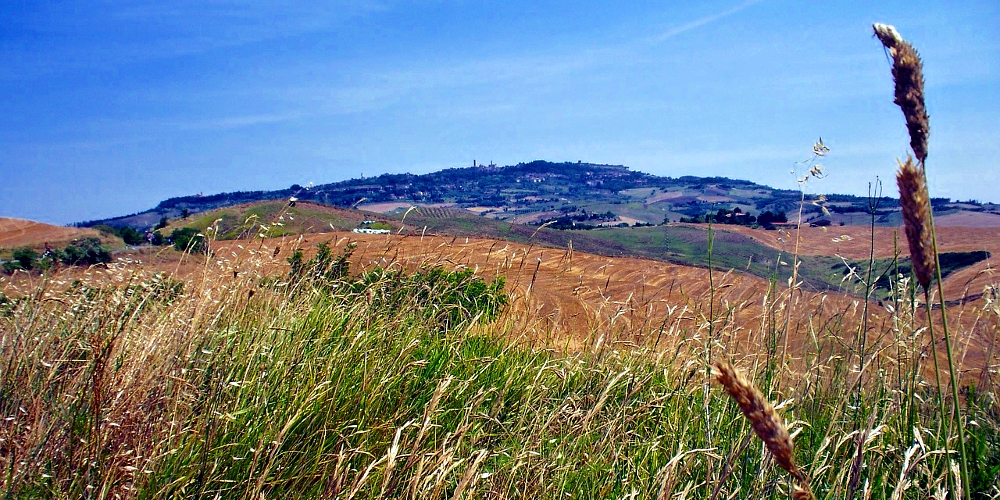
[802, 494]
[908, 75]
[915, 202]
[765, 421]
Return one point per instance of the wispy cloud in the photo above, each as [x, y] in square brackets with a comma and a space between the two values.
[383, 89]
[368, 89]
[697, 23]
[230, 122]
[78, 34]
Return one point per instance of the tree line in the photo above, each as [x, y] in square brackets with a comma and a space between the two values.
[736, 216]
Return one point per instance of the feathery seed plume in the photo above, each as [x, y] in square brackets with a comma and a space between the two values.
[801, 494]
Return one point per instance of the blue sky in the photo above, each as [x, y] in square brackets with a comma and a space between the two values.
[108, 107]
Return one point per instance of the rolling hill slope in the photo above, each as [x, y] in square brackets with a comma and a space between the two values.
[831, 259]
[25, 233]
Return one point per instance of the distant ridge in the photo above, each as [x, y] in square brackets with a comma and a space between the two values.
[542, 190]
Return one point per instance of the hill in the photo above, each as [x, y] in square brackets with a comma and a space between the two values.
[275, 218]
[569, 195]
[25, 233]
[830, 260]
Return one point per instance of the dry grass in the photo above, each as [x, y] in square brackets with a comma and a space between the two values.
[917, 220]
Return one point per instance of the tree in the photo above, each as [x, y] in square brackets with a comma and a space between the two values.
[721, 216]
[769, 218]
[158, 238]
[131, 236]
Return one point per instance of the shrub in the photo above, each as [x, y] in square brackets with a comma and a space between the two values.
[6, 305]
[11, 266]
[188, 239]
[131, 236]
[297, 265]
[128, 235]
[22, 259]
[323, 269]
[440, 298]
[25, 257]
[158, 238]
[87, 251]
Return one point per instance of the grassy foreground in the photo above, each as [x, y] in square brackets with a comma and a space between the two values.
[129, 384]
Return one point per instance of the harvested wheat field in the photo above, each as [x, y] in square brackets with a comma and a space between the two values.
[605, 352]
[26, 233]
[272, 352]
[574, 300]
[856, 242]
